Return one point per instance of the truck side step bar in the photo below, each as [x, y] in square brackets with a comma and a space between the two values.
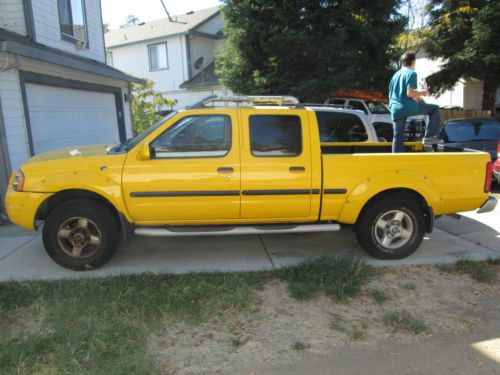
[180, 231]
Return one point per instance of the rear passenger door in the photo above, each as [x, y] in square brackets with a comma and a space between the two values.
[276, 167]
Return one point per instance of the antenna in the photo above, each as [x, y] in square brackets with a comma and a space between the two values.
[168, 14]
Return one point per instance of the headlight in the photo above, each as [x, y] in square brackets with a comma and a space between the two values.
[18, 183]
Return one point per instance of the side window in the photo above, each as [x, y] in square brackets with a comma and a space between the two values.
[194, 137]
[337, 101]
[357, 105]
[275, 135]
[340, 127]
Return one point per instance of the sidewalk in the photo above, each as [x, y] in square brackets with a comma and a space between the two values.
[22, 255]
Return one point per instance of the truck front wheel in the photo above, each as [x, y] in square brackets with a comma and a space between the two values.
[391, 228]
[81, 234]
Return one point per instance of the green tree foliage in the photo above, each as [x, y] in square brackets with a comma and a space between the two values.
[308, 48]
[146, 102]
[466, 35]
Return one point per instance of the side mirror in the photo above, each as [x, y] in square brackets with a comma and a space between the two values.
[145, 153]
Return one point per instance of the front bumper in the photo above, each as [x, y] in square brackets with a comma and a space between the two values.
[22, 206]
[488, 206]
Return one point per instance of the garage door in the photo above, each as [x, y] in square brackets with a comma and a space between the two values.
[62, 117]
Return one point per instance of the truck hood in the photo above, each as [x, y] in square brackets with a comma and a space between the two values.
[75, 152]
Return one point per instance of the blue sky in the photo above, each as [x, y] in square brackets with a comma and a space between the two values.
[114, 12]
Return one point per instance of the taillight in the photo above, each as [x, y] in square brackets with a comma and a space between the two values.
[489, 173]
[496, 163]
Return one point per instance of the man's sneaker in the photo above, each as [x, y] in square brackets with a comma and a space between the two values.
[431, 141]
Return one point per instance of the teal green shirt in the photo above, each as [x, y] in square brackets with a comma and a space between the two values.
[400, 104]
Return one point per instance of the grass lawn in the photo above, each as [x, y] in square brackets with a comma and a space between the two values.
[99, 326]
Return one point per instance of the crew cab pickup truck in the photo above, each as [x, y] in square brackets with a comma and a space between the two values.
[251, 168]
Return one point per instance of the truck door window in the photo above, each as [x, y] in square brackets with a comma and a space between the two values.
[194, 137]
[356, 104]
[275, 135]
[340, 127]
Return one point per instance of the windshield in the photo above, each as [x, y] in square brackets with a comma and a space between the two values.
[476, 130]
[136, 140]
[377, 108]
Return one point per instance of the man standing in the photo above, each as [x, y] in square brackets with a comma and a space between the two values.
[404, 101]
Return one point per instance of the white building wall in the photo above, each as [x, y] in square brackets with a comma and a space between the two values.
[473, 95]
[201, 47]
[212, 26]
[188, 97]
[13, 115]
[133, 59]
[12, 16]
[47, 28]
[424, 68]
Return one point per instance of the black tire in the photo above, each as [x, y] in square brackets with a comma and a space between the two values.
[408, 235]
[81, 234]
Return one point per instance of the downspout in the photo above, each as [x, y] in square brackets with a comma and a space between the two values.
[188, 53]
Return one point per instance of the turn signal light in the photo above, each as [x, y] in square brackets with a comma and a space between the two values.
[18, 183]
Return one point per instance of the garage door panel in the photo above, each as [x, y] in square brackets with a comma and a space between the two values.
[61, 117]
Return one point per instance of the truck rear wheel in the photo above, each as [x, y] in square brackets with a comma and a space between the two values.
[81, 234]
[391, 228]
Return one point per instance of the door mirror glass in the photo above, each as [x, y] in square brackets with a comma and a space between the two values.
[145, 153]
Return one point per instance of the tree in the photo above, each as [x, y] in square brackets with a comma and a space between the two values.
[415, 31]
[308, 48]
[466, 35]
[131, 21]
[146, 102]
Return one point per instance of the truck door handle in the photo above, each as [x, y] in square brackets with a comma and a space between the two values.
[225, 170]
[297, 169]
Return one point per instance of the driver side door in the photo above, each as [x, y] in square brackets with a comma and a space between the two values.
[193, 174]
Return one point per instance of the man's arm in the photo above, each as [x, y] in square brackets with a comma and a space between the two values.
[416, 93]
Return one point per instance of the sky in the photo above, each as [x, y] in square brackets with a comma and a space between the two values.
[115, 12]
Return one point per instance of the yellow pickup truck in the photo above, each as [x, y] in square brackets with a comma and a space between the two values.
[254, 167]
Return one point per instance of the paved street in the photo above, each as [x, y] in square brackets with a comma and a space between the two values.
[476, 236]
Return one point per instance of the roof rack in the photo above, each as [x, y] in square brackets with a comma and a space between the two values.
[344, 106]
[255, 100]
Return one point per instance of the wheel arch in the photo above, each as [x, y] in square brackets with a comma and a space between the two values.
[66, 195]
[407, 193]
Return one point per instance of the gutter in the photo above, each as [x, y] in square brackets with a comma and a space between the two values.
[43, 54]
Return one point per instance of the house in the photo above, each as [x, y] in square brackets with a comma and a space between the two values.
[176, 53]
[467, 94]
[55, 87]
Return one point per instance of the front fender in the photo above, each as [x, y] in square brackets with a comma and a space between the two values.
[387, 180]
[105, 186]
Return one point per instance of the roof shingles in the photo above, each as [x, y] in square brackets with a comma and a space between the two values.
[158, 28]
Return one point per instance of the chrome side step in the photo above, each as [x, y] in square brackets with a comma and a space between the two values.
[178, 231]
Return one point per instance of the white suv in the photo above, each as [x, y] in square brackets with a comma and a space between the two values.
[379, 117]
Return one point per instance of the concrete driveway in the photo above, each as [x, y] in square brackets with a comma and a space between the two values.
[475, 236]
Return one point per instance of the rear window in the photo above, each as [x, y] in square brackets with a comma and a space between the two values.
[275, 135]
[340, 127]
[377, 108]
[473, 131]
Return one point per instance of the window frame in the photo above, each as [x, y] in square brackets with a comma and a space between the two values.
[343, 116]
[365, 110]
[166, 55]
[195, 157]
[275, 156]
[71, 38]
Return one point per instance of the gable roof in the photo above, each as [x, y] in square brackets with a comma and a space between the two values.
[159, 28]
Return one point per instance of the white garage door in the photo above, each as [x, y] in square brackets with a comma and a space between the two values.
[61, 117]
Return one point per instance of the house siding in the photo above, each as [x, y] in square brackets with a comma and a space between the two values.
[12, 16]
[212, 26]
[47, 29]
[12, 105]
[133, 59]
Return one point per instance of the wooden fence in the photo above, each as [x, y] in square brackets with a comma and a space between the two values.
[449, 114]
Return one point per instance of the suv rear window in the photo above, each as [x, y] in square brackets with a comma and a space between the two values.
[475, 130]
[340, 127]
